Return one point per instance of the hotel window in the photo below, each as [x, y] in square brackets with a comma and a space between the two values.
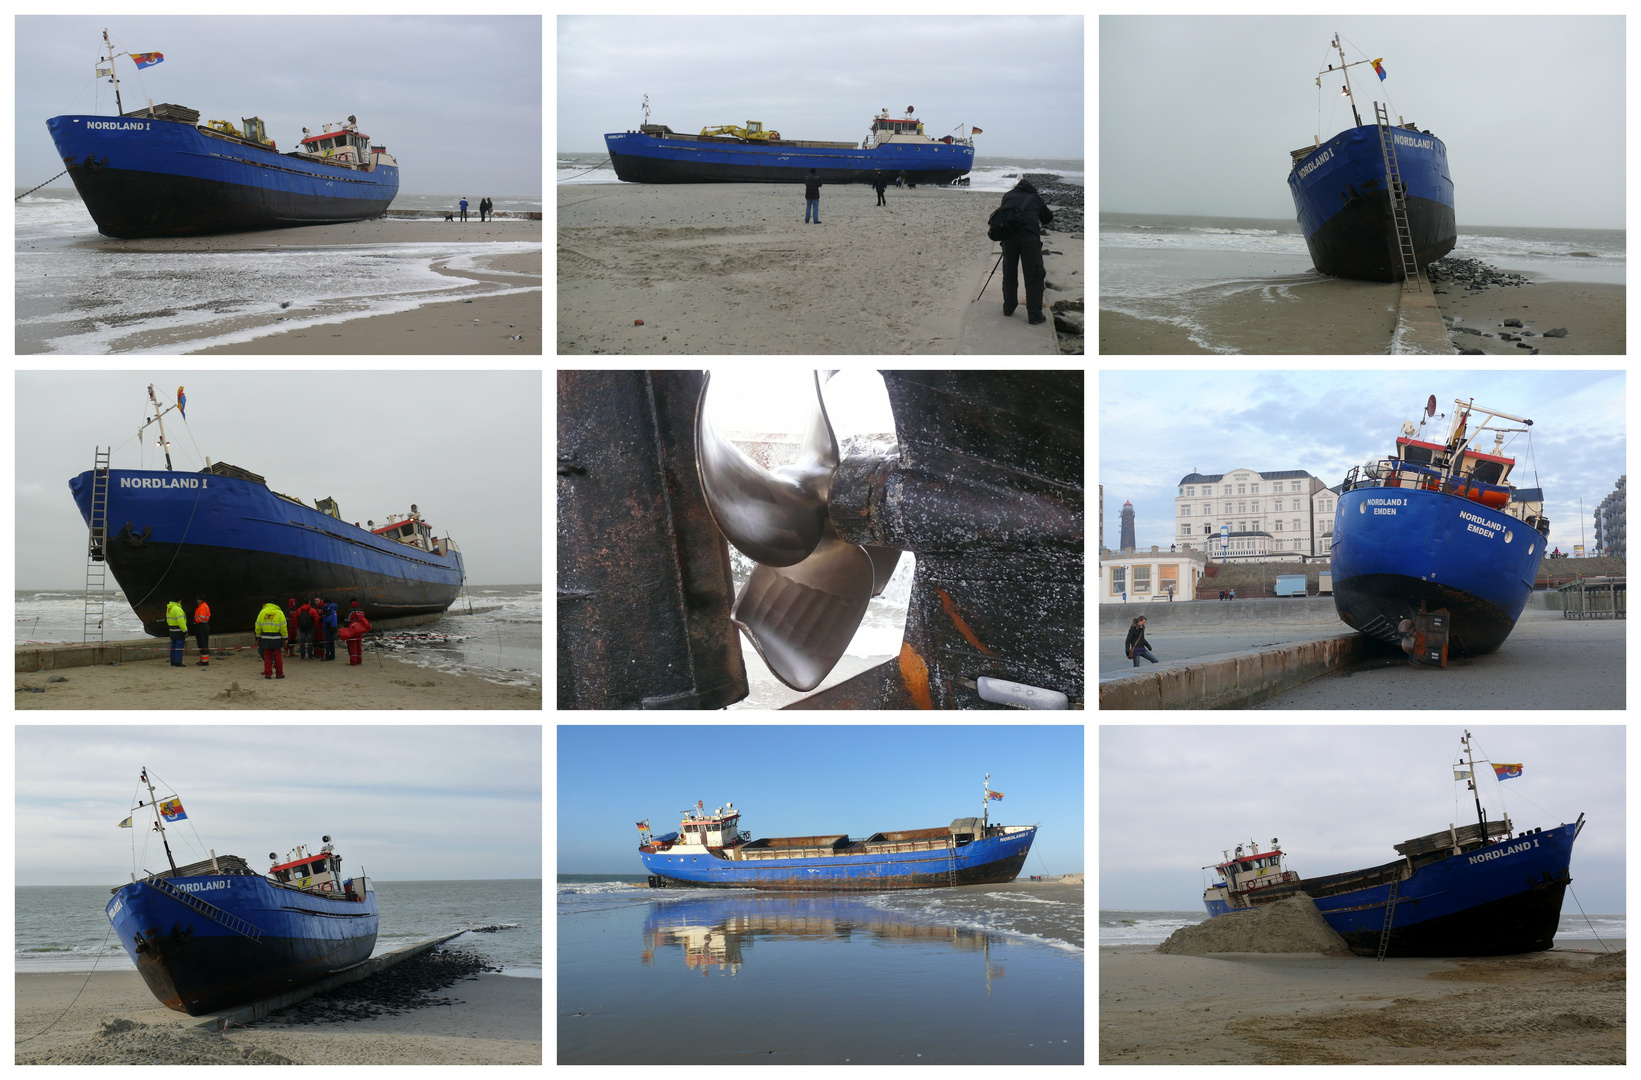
[1191, 492]
[1256, 506]
[1295, 486]
[1253, 489]
[1227, 508]
[1207, 530]
[1242, 508]
[1242, 489]
[1119, 580]
[1142, 580]
[1279, 505]
[1185, 510]
[1242, 526]
[1295, 524]
[1278, 526]
[1185, 528]
[1207, 508]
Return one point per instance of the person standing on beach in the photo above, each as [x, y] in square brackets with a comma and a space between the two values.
[330, 631]
[1136, 645]
[202, 632]
[464, 207]
[290, 627]
[356, 618]
[270, 638]
[304, 630]
[1023, 251]
[880, 183]
[811, 196]
[177, 623]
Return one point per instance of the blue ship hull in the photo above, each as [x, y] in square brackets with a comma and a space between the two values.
[1394, 548]
[143, 177]
[1344, 208]
[1496, 900]
[177, 535]
[197, 963]
[989, 860]
[652, 159]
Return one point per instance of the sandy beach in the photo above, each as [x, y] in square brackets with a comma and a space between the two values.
[498, 299]
[1592, 314]
[380, 682]
[1562, 1007]
[732, 268]
[496, 1020]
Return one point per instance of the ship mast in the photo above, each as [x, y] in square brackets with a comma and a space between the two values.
[159, 414]
[114, 74]
[1346, 69]
[159, 819]
[1481, 818]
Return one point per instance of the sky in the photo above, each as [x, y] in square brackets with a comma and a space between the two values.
[763, 399]
[1017, 78]
[1339, 798]
[402, 803]
[465, 447]
[1324, 422]
[456, 99]
[800, 780]
[1198, 113]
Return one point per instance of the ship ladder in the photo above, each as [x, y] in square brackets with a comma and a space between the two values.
[951, 865]
[96, 566]
[1398, 201]
[1390, 910]
[210, 911]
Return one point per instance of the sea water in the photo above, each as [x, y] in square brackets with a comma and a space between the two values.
[492, 631]
[74, 296]
[988, 174]
[64, 928]
[979, 974]
[1153, 927]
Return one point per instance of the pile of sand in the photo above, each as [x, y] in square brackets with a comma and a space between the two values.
[121, 1042]
[1287, 926]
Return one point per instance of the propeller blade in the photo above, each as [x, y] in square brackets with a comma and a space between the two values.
[884, 561]
[801, 618]
[774, 517]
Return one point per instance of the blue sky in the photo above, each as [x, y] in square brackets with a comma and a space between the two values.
[1156, 426]
[1340, 797]
[404, 803]
[802, 780]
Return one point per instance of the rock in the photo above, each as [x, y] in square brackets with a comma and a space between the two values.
[1463, 330]
[1472, 352]
[1560, 331]
[1067, 324]
[1512, 322]
[1524, 345]
[58, 678]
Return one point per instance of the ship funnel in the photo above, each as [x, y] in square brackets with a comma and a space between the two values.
[809, 591]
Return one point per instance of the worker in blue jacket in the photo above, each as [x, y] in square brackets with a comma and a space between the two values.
[330, 631]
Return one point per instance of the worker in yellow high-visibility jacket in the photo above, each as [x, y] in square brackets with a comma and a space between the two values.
[270, 638]
[177, 623]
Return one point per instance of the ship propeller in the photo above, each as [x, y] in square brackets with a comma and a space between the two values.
[809, 590]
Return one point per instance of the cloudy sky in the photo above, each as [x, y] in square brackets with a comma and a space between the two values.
[456, 99]
[1339, 798]
[830, 779]
[465, 447]
[1155, 428]
[471, 794]
[1017, 78]
[1198, 113]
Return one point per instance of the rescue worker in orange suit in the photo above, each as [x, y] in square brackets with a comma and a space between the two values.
[306, 617]
[356, 618]
[290, 627]
[202, 632]
[270, 638]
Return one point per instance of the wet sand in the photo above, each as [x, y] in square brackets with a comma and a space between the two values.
[1593, 315]
[496, 1020]
[1562, 1007]
[380, 682]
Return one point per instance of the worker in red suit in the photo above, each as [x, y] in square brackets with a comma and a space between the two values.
[360, 626]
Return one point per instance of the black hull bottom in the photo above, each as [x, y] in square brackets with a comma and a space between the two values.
[647, 170]
[1375, 603]
[995, 873]
[1522, 923]
[236, 583]
[218, 972]
[1360, 242]
[130, 205]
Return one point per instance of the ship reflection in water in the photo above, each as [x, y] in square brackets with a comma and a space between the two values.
[717, 932]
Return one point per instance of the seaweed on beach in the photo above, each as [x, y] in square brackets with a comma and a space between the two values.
[402, 987]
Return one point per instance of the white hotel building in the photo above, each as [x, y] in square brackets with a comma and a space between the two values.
[1255, 516]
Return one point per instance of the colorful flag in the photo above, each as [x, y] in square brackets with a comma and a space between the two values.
[644, 824]
[1462, 774]
[145, 59]
[1379, 69]
[976, 131]
[990, 794]
[103, 73]
[126, 824]
[1507, 772]
[182, 403]
[171, 810]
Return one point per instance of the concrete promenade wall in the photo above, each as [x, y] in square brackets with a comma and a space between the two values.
[1232, 680]
[1217, 612]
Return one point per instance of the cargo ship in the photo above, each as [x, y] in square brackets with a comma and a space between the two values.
[158, 172]
[222, 533]
[710, 851]
[895, 146]
[1439, 527]
[213, 934]
[1476, 890]
[1375, 202]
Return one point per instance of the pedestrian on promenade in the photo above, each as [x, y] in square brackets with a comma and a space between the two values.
[1023, 250]
[811, 196]
[1136, 645]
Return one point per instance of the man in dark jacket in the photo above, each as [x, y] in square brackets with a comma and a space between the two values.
[811, 196]
[880, 183]
[1023, 249]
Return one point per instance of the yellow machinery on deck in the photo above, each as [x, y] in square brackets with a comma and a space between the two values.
[753, 132]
